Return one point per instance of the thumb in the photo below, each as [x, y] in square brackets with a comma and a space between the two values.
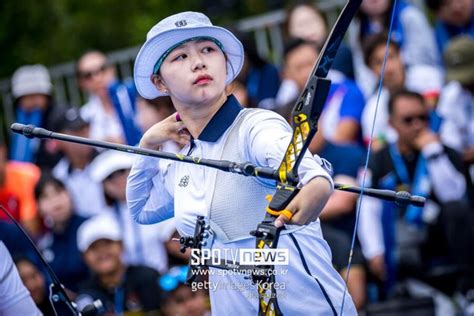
[281, 221]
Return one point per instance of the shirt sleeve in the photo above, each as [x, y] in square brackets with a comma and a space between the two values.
[448, 183]
[14, 297]
[268, 135]
[370, 230]
[419, 45]
[149, 190]
[353, 103]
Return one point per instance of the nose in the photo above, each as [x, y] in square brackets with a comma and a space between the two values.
[198, 62]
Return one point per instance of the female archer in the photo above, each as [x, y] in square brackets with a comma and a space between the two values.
[192, 61]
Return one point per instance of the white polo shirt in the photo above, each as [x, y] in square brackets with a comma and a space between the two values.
[159, 189]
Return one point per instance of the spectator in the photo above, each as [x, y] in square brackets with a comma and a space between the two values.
[260, 78]
[14, 297]
[17, 182]
[180, 299]
[410, 31]
[143, 244]
[305, 21]
[121, 288]
[150, 112]
[14, 240]
[402, 242]
[340, 119]
[456, 105]
[32, 91]
[35, 282]
[74, 169]
[338, 217]
[111, 106]
[453, 18]
[396, 77]
[58, 243]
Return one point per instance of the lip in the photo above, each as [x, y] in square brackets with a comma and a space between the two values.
[203, 79]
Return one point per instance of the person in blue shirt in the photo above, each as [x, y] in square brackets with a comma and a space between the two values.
[453, 18]
[32, 91]
[58, 243]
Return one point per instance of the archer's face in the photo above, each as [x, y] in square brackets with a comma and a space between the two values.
[194, 73]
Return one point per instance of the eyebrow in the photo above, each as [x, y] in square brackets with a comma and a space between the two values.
[200, 40]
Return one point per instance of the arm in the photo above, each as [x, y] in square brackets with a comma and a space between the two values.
[148, 196]
[350, 113]
[340, 202]
[448, 183]
[420, 44]
[370, 233]
[269, 136]
[150, 184]
[14, 297]
[346, 131]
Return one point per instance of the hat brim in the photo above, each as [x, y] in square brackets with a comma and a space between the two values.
[108, 162]
[156, 46]
[464, 74]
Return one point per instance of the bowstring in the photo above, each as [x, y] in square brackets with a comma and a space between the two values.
[367, 158]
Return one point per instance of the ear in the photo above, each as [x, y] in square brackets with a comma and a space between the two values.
[159, 83]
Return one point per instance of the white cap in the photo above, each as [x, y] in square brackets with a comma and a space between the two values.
[103, 226]
[110, 161]
[175, 29]
[31, 79]
[424, 79]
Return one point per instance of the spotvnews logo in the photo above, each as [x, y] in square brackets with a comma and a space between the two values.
[243, 256]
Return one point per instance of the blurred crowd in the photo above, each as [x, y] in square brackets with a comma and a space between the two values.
[418, 123]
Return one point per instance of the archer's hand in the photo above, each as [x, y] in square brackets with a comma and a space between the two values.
[308, 203]
[166, 130]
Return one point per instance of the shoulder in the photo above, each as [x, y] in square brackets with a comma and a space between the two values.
[142, 273]
[254, 118]
[410, 13]
[380, 161]
[24, 170]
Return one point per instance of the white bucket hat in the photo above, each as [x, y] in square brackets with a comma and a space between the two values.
[31, 79]
[175, 29]
[108, 162]
[103, 226]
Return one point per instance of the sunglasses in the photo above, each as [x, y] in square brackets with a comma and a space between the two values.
[89, 74]
[175, 276]
[408, 120]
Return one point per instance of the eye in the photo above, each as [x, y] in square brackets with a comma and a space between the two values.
[179, 57]
[208, 49]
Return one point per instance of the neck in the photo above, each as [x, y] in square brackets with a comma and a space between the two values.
[106, 103]
[404, 148]
[114, 278]
[79, 161]
[197, 116]
[60, 227]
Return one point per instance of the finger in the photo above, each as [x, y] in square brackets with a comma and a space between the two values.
[284, 218]
[301, 218]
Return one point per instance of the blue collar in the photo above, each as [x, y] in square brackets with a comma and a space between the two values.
[221, 121]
